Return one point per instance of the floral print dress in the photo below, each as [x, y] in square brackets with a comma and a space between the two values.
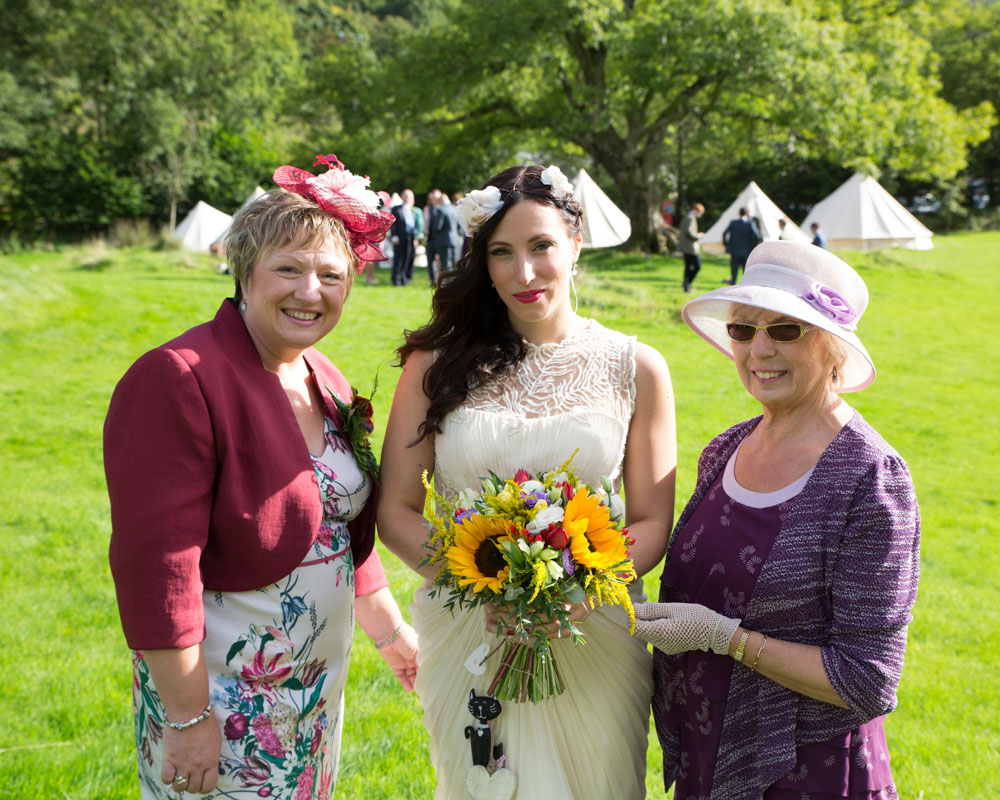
[277, 662]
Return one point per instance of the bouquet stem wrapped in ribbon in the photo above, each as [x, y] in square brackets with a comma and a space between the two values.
[532, 545]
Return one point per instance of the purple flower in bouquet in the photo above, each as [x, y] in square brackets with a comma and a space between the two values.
[568, 563]
[530, 499]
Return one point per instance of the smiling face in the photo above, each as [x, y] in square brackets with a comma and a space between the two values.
[530, 256]
[294, 298]
[783, 376]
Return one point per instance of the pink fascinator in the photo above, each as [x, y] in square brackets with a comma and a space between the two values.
[345, 196]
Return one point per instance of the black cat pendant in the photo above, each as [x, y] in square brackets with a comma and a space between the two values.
[483, 708]
[488, 778]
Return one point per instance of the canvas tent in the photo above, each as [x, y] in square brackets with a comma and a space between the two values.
[758, 205]
[861, 215]
[201, 227]
[257, 192]
[604, 224]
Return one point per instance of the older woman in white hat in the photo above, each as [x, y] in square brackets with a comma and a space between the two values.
[791, 574]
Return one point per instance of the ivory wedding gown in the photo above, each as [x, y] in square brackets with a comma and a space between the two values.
[589, 742]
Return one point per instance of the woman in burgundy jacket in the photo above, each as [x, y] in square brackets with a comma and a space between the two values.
[243, 497]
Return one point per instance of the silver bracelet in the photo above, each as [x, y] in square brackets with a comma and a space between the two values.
[392, 637]
[183, 726]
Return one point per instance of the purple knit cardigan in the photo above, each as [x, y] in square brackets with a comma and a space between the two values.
[842, 575]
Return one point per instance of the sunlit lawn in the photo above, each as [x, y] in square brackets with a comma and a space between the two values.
[72, 322]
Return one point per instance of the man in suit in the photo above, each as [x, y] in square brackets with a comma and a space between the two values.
[450, 235]
[689, 244]
[740, 237]
[432, 234]
[402, 237]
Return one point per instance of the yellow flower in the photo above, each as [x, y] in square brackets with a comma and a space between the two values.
[594, 541]
[474, 558]
[538, 578]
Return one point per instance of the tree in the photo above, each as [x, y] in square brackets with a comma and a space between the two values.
[966, 36]
[619, 79]
[146, 99]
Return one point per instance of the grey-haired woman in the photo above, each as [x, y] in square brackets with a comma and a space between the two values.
[792, 572]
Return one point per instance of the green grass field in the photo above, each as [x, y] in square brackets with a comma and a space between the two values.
[72, 321]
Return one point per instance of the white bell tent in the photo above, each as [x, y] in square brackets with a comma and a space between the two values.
[861, 215]
[604, 224]
[257, 192]
[202, 227]
[758, 205]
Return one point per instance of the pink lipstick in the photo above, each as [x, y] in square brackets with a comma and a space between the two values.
[529, 297]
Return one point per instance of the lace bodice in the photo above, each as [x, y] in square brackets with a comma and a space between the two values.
[577, 393]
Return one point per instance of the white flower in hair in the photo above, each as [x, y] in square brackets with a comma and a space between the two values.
[478, 206]
[554, 177]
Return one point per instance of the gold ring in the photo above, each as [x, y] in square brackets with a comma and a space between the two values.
[180, 779]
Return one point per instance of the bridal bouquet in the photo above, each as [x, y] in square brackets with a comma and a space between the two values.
[531, 544]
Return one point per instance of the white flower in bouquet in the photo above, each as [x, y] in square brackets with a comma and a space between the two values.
[545, 517]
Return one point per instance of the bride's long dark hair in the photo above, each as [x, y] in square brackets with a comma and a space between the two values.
[469, 326]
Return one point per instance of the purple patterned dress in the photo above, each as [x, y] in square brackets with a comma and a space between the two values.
[715, 562]
[277, 661]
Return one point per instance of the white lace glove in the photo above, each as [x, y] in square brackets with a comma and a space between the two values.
[679, 627]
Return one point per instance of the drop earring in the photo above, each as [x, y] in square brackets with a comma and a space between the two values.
[574, 271]
[572, 287]
[243, 305]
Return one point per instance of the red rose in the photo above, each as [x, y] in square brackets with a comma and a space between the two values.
[567, 491]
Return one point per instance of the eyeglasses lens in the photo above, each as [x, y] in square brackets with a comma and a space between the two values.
[783, 332]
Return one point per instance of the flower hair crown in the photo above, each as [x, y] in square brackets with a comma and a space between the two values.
[480, 205]
[346, 196]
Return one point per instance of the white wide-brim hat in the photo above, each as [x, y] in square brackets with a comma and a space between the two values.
[800, 281]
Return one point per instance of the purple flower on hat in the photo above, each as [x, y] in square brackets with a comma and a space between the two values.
[831, 303]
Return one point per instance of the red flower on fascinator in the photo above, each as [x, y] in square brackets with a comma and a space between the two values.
[345, 196]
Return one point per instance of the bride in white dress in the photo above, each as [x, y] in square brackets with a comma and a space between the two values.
[507, 376]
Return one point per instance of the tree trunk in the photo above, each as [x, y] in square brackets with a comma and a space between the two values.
[173, 214]
[635, 175]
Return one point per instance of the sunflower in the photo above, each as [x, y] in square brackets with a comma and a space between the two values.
[594, 541]
[474, 558]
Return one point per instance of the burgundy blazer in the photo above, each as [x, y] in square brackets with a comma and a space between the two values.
[210, 479]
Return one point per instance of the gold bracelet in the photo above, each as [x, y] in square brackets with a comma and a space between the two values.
[738, 655]
[756, 661]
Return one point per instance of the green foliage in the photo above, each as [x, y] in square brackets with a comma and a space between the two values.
[623, 81]
[144, 103]
[967, 40]
[65, 726]
[159, 106]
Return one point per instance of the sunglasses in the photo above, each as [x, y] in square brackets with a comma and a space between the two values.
[782, 332]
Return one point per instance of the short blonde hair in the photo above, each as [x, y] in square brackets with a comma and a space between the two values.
[279, 219]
